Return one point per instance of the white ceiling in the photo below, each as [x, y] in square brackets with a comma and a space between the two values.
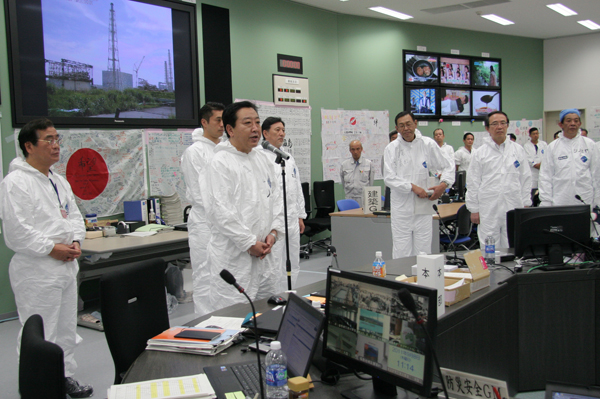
[531, 17]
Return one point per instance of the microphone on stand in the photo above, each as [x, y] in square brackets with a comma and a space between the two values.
[228, 277]
[409, 303]
[270, 147]
[592, 218]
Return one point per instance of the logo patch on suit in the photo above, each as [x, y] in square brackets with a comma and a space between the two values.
[425, 164]
[584, 159]
[563, 157]
[517, 164]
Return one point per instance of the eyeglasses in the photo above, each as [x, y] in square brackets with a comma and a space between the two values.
[53, 141]
[501, 124]
[407, 125]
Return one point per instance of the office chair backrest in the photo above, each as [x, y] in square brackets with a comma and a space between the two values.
[347, 204]
[324, 195]
[134, 309]
[463, 220]
[41, 364]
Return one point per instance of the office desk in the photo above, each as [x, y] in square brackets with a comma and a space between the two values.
[357, 236]
[168, 245]
[525, 329]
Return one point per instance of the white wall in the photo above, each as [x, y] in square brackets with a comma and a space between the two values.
[572, 72]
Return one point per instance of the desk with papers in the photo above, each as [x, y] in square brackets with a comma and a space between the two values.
[357, 236]
[525, 329]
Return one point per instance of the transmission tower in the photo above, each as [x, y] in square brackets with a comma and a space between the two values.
[114, 67]
[169, 72]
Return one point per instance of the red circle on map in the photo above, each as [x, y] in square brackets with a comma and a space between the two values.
[87, 173]
[353, 121]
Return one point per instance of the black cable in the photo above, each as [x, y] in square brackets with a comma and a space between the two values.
[435, 360]
[361, 378]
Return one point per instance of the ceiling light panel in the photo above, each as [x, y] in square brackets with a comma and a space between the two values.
[497, 19]
[559, 8]
[391, 13]
[589, 24]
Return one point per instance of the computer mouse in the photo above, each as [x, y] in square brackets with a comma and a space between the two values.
[277, 300]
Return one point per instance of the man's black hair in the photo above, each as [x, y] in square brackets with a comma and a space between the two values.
[467, 134]
[486, 121]
[270, 121]
[28, 133]
[230, 113]
[533, 129]
[393, 132]
[403, 113]
[207, 110]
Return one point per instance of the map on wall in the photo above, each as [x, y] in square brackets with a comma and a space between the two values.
[164, 161]
[340, 127]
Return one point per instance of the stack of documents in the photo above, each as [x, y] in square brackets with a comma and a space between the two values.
[167, 342]
[193, 386]
[170, 209]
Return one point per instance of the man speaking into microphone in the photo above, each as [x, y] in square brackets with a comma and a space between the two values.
[245, 211]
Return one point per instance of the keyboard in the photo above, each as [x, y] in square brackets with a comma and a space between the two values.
[247, 375]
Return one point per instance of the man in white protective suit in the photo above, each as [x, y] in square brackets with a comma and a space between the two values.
[43, 226]
[498, 180]
[245, 211]
[194, 165]
[273, 131]
[535, 149]
[408, 161]
[571, 166]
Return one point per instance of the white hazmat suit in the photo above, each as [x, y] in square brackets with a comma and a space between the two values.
[498, 180]
[194, 166]
[462, 158]
[408, 163]
[534, 157]
[295, 210]
[32, 225]
[245, 205]
[570, 167]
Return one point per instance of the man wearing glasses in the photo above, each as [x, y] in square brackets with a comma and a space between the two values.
[498, 180]
[407, 162]
[43, 226]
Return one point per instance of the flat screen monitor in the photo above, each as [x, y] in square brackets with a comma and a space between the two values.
[550, 232]
[421, 68]
[455, 102]
[422, 101]
[368, 329]
[486, 73]
[103, 63]
[461, 185]
[486, 102]
[455, 71]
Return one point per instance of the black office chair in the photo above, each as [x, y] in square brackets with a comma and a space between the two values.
[457, 233]
[134, 309]
[324, 195]
[307, 208]
[41, 364]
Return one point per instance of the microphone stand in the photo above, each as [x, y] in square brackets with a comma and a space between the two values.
[257, 338]
[288, 265]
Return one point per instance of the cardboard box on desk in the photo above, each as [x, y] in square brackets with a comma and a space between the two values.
[453, 292]
[478, 274]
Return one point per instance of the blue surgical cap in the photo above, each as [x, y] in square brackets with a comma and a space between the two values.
[564, 113]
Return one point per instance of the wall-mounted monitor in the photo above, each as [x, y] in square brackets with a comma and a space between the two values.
[486, 73]
[103, 63]
[455, 71]
[486, 101]
[455, 102]
[422, 101]
[421, 68]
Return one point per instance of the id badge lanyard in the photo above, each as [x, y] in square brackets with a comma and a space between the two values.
[63, 211]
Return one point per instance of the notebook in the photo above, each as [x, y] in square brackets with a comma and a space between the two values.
[299, 333]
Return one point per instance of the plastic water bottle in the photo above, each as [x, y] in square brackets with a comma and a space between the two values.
[379, 265]
[276, 365]
[490, 250]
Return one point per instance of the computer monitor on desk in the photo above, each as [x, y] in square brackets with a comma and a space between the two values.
[552, 232]
[368, 329]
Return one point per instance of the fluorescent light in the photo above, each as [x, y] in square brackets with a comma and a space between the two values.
[391, 13]
[559, 8]
[589, 24]
[497, 19]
